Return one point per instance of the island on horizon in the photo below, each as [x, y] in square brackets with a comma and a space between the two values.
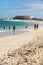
[22, 18]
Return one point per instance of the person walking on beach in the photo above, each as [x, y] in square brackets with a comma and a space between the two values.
[34, 26]
[14, 29]
[37, 26]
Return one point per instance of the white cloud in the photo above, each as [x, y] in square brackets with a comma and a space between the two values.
[34, 9]
[30, 7]
[34, 6]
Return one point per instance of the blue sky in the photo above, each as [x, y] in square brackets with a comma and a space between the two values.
[11, 8]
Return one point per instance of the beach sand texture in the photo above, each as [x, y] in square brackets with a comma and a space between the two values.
[22, 49]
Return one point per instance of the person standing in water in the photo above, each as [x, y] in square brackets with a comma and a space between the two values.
[14, 29]
[9, 28]
[26, 26]
[4, 27]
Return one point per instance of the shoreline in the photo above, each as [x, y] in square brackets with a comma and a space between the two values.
[16, 41]
[16, 48]
[18, 20]
[22, 48]
[4, 33]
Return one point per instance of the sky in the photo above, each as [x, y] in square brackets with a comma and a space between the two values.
[12, 8]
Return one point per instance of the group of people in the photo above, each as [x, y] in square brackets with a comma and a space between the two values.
[10, 28]
[35, 26]
[5, 28]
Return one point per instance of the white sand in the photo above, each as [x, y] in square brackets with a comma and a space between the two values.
[11, 43]
[18, 20]
[25, 20]
[16, 41]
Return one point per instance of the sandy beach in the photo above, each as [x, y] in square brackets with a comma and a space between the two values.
[16, 42]
[18, 20]
[21, 32]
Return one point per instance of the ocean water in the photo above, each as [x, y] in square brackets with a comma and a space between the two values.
[19, 26]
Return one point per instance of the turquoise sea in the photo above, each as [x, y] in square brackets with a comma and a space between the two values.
[19, 26]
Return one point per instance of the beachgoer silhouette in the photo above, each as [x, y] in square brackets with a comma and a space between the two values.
[9, 28]
[14, 29]
[26, 26]
[37, 26]
[4, 27]
[34, 26]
